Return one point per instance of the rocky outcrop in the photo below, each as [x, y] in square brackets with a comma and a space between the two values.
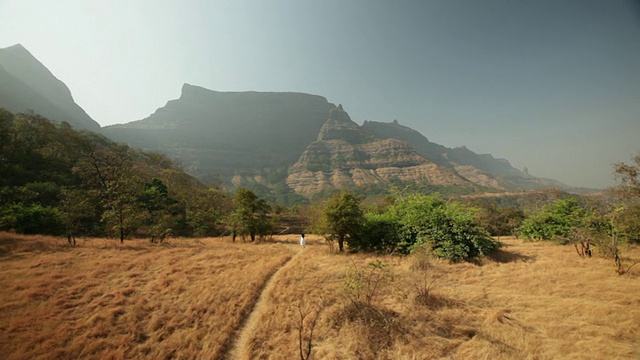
[339, 126]
[344, 157]
[431, 151]
[27, 85]
[481, 169]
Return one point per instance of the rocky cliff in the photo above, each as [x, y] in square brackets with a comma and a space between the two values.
[481, 169]
[345, 157]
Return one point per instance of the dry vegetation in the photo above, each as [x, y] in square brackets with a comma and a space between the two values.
[211, 298]
[183, 299]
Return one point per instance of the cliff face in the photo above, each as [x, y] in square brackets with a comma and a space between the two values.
[339, 126]
[27, 85]
[480, 169]
[344, 157]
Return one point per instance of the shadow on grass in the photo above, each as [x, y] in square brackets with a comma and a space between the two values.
[503, 256]
[11, 248]
[435, 302]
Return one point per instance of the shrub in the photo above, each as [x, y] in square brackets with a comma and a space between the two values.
[31, 219]
[363, 284]
[557, 221]
[449, 229]
[378, 233]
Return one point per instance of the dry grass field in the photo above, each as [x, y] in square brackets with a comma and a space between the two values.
[213, 299]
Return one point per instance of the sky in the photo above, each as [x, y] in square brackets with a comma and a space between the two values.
[553, 85]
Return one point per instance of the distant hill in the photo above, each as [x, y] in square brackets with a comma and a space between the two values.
[229, 134]
[481, 169]
[27, 85]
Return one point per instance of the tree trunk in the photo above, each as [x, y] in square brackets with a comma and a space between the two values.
[341, 242]
[121, 221]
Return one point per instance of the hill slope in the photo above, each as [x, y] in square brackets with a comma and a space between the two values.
[27, 85]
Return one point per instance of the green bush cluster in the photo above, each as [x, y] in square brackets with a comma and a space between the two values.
[556, 221]
[449, 229]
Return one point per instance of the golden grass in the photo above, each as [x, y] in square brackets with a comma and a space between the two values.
[182, 299]
[210, 298]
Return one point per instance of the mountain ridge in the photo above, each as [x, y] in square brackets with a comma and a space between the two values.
[27, 85]
[274, 140]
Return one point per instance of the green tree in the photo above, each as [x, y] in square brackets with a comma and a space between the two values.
[557, 221]
[627, 193]
[251, 214]
[343, 217]
[81, 213]
[448, 229]
[109, 170]
[498, 220]
[31, 219]
[379, 233]
[162, 211]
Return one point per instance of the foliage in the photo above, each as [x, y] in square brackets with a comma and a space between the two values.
[31, 219]
[206, 210]
[628, 195]
[498, 220]
[56, 180]
[449, 229]
[163, 212]
[379, 233]
[251, 214]
[556, 221]
[342, 217]
[81, 212]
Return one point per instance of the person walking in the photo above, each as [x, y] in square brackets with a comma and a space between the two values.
[302, 241]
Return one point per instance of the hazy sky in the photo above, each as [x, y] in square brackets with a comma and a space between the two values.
[551, 85]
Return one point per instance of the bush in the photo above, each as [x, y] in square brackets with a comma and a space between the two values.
[31, 219]
[449, 229]
[557, 221]
[378, 233]
[363, 284]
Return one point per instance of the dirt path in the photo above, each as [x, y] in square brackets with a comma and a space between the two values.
[236, 343]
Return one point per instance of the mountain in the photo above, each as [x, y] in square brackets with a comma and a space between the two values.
[344, 156]
[287, 143]
[481, 169]
[295, 143]
[27, 85]
[229, 134]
